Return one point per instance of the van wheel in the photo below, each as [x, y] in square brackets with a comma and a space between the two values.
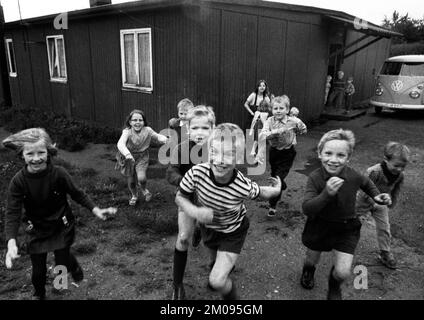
[378, 110]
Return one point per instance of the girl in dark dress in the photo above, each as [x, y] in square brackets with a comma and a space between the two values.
[41, 189]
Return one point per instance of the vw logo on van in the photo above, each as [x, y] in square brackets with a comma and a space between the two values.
[397, 85]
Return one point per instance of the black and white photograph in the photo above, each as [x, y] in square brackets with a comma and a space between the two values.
[211, 151]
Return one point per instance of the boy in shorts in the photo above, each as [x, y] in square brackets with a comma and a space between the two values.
[220, 190]
[329, 203]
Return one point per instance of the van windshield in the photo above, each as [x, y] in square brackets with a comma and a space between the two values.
[411, 69]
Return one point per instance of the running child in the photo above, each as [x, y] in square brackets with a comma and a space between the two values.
[220, 190]
[41, 188]
[261, 115]
[201, 121]
[388, 177]
[180, 124]
[329, 204]
[280, 130]
[133, 155]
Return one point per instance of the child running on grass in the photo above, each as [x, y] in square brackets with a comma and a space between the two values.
[201, 121]
[388, 177]
[280, 130]
[220, 190]
[41, 188]
[329, 204]
[133, 155]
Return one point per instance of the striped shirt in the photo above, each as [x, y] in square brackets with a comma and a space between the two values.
[226, 201]
[287, 138]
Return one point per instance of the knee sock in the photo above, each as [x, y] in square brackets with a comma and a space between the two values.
[180, 260]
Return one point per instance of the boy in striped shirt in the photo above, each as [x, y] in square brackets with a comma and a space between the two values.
[220, 190]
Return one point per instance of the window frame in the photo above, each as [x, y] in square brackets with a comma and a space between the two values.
[135, 33]
[8, 41]
[52, 78]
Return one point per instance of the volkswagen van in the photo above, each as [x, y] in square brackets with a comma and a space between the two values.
[400, 84]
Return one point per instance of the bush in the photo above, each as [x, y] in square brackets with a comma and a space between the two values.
[407, 48]
[69, 134]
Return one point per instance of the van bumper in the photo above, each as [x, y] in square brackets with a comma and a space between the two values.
[397, 106]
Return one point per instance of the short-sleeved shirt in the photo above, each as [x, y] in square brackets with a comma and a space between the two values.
[226, 200]
[140, 142]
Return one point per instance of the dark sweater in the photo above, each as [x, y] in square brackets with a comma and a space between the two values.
[43, 195]
[181, 161]
[318, 202]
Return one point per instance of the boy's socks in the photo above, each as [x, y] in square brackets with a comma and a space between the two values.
[180, 260]
[232, 295]
[334, 290]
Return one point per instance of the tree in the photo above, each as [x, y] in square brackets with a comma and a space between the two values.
[412, 29]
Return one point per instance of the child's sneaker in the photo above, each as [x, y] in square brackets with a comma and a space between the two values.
[77, 274]
[272, 212]
[386, 258]
[147, 195]
[307, 279]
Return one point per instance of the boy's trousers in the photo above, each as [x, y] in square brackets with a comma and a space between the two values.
[382, 225]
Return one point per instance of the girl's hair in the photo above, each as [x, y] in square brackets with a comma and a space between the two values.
[264, 106]
[281, 100]
[202, 111]
[266, 92]
[232, 133]
[338, 134]
[18, 140]
[185, 103]
[396, 150]
[128, 119]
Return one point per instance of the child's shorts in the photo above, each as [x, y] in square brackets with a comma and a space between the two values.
[323, 235]
[229, 242]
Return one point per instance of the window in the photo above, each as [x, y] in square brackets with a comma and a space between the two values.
[136, 59]
[56, 56]
[10, 53]
[403, 69]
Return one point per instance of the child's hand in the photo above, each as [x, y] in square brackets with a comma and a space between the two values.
[104, 213]
[12, 253]
[384, 199]
[275, 182]
[333, 185]
[204, 215]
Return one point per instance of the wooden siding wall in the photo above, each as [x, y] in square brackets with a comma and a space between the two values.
[212, 55]
[365, 65]
[288, 50]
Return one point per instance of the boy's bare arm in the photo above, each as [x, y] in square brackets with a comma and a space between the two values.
[201, 214]
[269, 192]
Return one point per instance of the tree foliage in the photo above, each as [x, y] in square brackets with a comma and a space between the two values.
[412, 29]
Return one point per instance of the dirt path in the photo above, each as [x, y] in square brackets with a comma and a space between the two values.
[270, 263]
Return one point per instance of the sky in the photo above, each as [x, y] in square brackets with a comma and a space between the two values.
[370, 10]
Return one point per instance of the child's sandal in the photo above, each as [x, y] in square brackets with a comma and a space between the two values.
[133, 201]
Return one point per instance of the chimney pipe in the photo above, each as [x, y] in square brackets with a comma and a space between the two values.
[96, 3]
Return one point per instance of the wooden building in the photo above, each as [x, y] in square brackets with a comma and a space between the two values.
[100, 63]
